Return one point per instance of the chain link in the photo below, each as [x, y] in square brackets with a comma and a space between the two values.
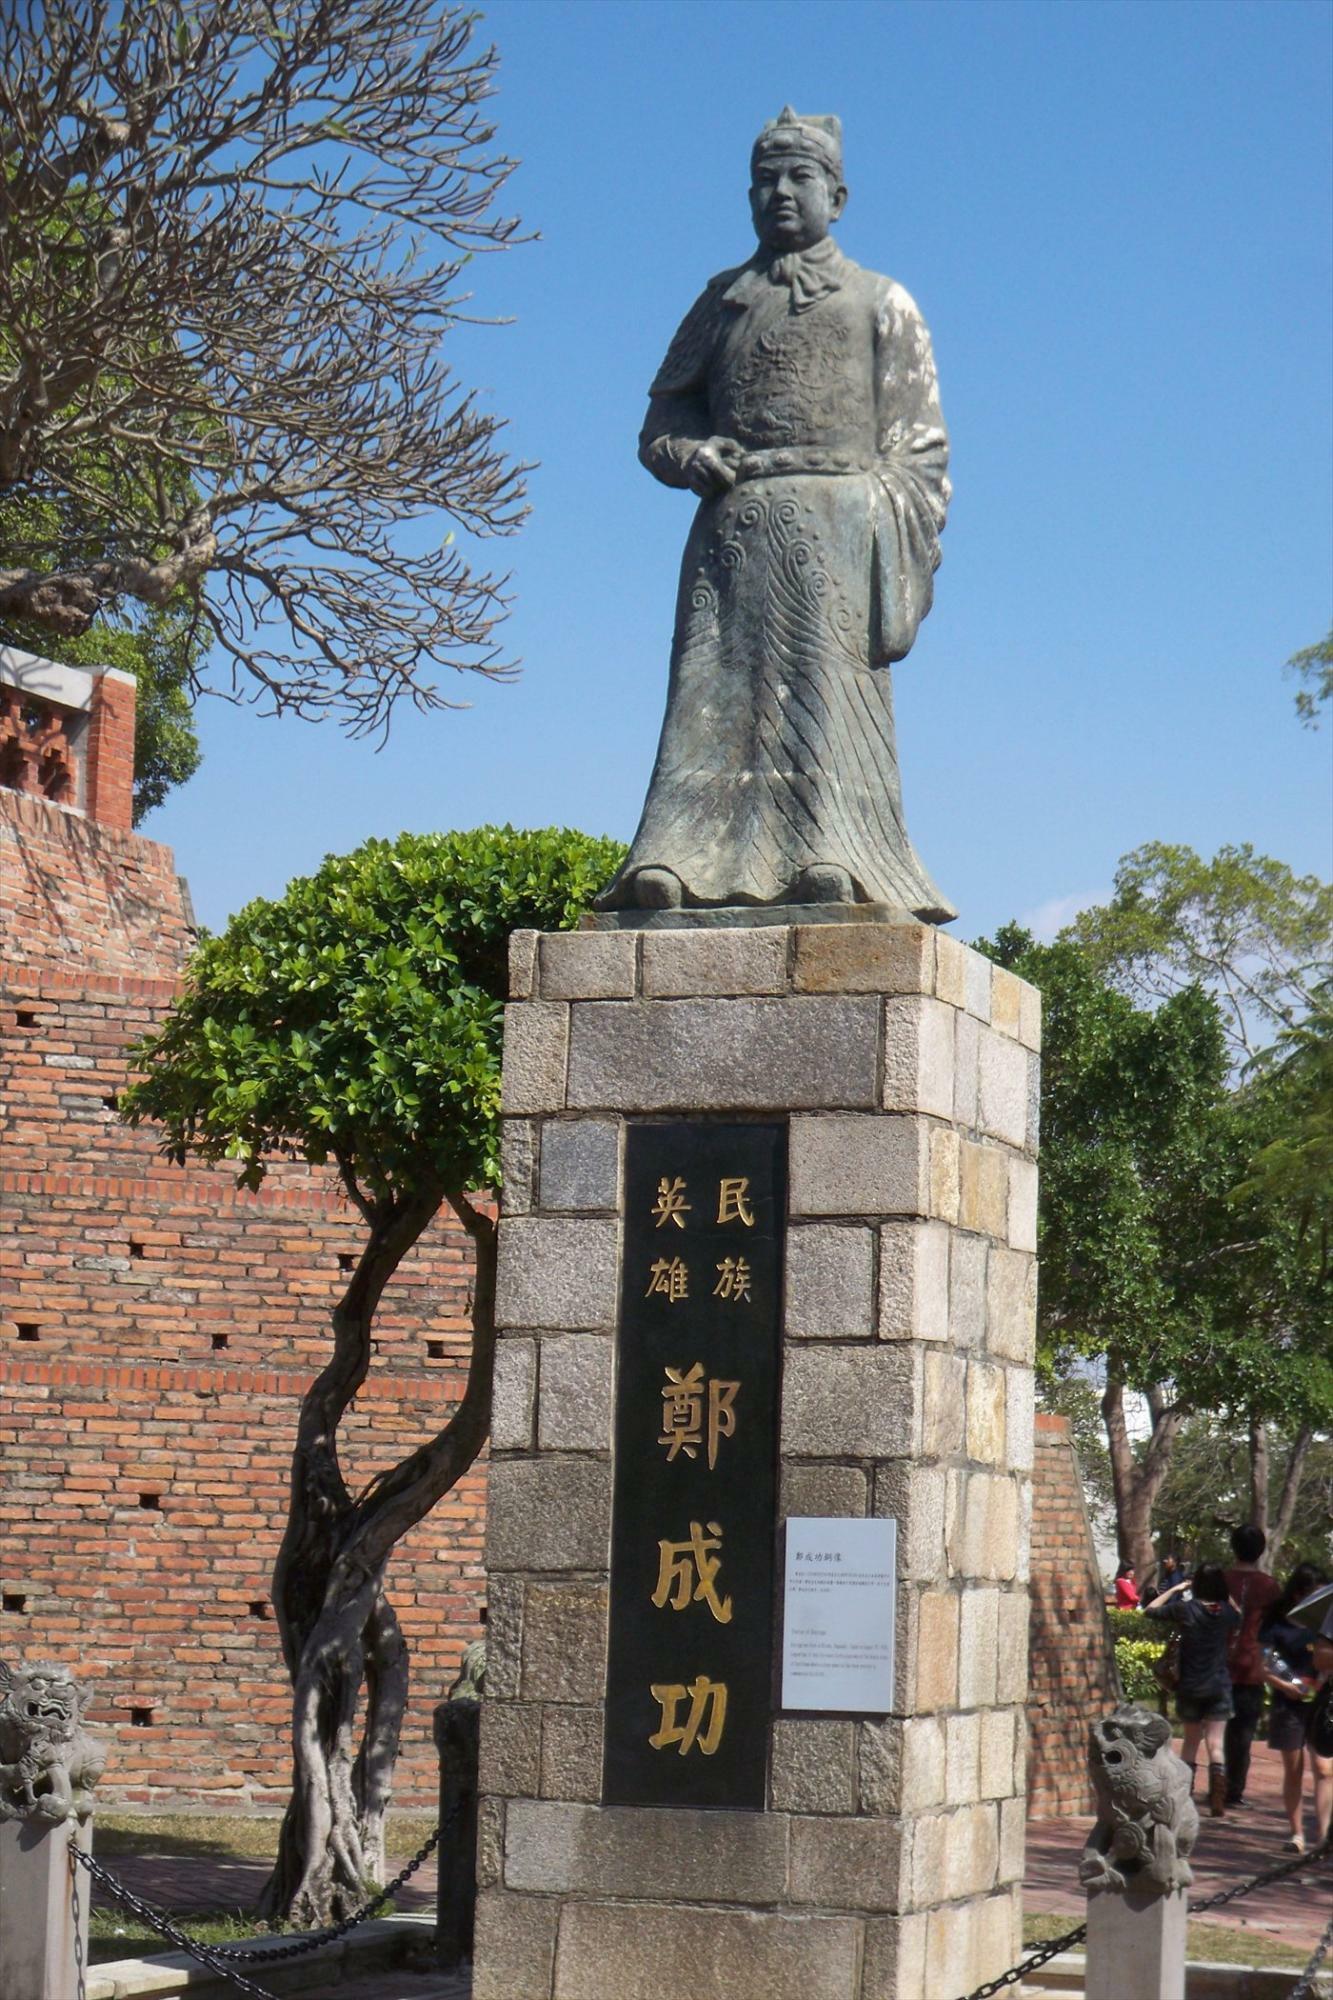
[216, 1957]
[165, 1928]
[1042, 1953]
[1305, 1989]
[80, 1980]
[316, 1939]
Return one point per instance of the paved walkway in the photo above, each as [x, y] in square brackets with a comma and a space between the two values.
[1229, 1850]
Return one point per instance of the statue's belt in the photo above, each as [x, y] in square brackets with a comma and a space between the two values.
[783, 459]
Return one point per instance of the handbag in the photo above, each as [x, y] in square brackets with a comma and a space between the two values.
[1166, 1667]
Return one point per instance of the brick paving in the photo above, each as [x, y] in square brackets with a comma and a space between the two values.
[1229, 1849]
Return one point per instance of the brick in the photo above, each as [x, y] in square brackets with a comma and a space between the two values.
[847, 1863]
[983, 1188]
[513, 1395]
[848, 1402]
[857, 1166]
[557, 1274]
[1002, 1095]
[813, 1766]
[682, 964]
[571, 1764]
[918, 1056]
[837, 1492]
[830, 1283]
[515, 1947]
[574, 1403]
[522, 964]
[536, 1047]
[587, 965]
[554, 1847]
[863, 958]
[738, 1055]
[564, 1641]
[661, 1953]
[580, 1164]
[914, 1281]
[548, 1514]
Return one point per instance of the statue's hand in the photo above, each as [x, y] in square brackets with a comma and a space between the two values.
[712, 466]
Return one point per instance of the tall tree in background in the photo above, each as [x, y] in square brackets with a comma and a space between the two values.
[231, 241]
[356, 1020]
[1313, 665]
[1150, 1270]
[1258, 938]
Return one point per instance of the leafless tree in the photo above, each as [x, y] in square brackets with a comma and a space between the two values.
[232, 236]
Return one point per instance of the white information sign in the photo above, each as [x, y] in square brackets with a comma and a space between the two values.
[837, 1628]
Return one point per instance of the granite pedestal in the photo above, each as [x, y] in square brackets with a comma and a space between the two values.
[904, 1067]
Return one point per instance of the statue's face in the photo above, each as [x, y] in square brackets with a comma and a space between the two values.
[793, 201]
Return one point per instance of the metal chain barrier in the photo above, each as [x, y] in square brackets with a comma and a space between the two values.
[165, 1928]
[315, 1939]
[80, 1981]
[1040, 1954]
[1305, 1989]
[217, 1957]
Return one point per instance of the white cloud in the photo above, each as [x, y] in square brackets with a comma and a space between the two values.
[1051, 916]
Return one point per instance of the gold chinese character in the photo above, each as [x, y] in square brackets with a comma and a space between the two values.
[733, 1201]
[687, 1573]
[734, 1283]
[704, 1695]
[684, 1397]
[670, 1277]
[671, 1205]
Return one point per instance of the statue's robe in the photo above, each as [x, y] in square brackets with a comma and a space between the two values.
[799, 585]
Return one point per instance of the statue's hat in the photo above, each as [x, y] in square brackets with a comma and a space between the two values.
[820, 138]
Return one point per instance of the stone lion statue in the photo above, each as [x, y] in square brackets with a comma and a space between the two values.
[49, 1763]
[1146, 1821]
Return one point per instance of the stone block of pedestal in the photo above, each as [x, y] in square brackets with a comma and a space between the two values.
[1136, 1945]
[895, 1072]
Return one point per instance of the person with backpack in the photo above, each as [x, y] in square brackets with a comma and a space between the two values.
[1203, 1693]
[1254, 1593]
[1293, 1657]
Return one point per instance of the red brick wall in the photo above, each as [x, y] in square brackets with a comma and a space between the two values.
[110, 774]
[1071, 1661]
[157, 1327]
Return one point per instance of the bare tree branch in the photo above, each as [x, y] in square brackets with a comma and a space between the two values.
[232, 238]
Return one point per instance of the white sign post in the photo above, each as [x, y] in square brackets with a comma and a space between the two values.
[837, 1631]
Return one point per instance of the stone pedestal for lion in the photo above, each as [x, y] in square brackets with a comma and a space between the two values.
[899, 1070]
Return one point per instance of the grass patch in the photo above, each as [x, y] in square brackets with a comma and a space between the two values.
[1211, 1944]
[114, 1934]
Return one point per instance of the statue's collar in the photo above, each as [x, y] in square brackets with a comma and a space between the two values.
[810, 274]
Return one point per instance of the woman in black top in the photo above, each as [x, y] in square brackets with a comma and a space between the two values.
[1203, 1698]
[1291, 1673]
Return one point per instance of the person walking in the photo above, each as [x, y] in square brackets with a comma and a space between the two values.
[1292, 1670]
[1126, 1588]
[1203, 1697]
[1254, 1593]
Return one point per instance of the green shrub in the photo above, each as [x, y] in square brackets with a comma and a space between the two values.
[1132, 1625]
[1134, 1658]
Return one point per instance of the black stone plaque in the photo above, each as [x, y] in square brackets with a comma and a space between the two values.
[689, 1674]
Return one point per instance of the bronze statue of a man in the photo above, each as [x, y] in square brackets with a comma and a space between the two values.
[798, 399]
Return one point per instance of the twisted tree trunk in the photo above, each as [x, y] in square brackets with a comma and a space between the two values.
[339, 1632]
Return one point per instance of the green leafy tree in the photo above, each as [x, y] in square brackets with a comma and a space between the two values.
[356, 1021]
[1147, 1271]
[1242, 926]
[1314, 666]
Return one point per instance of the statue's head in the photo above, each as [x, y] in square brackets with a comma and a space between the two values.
[796, 187]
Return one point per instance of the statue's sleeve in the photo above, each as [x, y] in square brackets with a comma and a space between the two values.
[912, 460]
[678, 418]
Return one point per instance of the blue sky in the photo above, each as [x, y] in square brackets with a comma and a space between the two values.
[1116, 219]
